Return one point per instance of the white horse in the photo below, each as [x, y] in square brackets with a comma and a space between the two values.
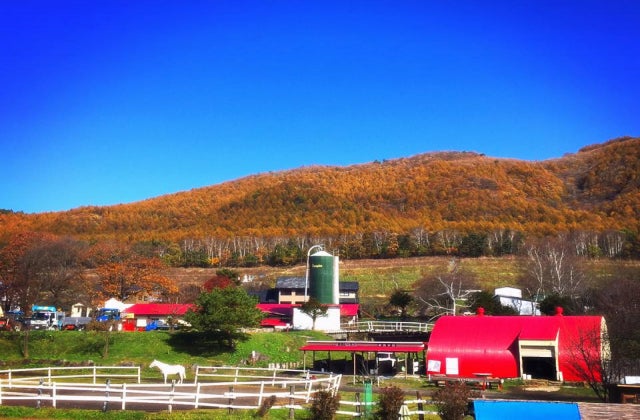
[169, 370]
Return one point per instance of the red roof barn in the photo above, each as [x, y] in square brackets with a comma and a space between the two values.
[158, 309]
[546, 347]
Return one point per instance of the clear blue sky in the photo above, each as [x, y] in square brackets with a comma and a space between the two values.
[105, 101]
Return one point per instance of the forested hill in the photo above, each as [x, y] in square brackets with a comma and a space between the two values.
[595, 189]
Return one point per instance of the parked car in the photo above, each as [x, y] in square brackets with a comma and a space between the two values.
[387, 357]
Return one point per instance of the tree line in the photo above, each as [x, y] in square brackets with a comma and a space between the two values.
[250, 251]
[41, 267]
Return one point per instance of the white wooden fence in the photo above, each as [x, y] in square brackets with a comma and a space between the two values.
[70, 372]
[241, 389]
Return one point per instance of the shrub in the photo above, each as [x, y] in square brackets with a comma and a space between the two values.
[324, 405]
[453, 399]
[390, 403]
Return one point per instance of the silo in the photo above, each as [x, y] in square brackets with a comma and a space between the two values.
[321, 277]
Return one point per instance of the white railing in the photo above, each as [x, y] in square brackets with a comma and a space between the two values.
[410, 407]
[387, 326]
[362, 409]
[49, 374]
[248, 393]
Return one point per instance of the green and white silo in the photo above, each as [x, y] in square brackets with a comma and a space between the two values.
[323, 282]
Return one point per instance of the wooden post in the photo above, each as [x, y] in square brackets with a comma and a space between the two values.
[291, 400]
[173, 390]
[197, 395]
[105, 405]
[39, 393]
[420, 406]
[230, 399]
[353, 356]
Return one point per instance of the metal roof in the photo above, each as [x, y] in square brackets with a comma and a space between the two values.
[490, 343]
[158, 309]
[299, 283]
[290, 282]
[365, 346]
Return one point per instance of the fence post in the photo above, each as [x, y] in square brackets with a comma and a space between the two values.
[105, 405]
[138, 374]
[358, 406]
[291, 400]
[39, 393]
[420, 406]
[230, 398]
[173, 390]
[124, 395]
[53, 395]
[94, 374]
[261, 392]
[308, 384]
[197, 395]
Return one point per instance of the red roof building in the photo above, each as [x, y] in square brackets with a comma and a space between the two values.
[158, 309]
[281, 315]
[546, 347]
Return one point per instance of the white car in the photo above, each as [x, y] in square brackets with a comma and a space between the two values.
[386, 357]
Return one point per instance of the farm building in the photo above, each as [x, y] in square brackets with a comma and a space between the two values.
[287, 316]
[141, 316]
[544, 347]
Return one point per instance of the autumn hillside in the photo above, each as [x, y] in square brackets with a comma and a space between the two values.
[595, 189]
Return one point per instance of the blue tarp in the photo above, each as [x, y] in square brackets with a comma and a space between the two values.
[530, 410]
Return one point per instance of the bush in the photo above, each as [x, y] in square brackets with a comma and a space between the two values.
[390, 403]
[324, 405]
[453, 399]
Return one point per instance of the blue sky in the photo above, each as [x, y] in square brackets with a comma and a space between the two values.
[107, 102]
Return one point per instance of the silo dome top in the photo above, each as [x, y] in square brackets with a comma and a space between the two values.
[321, 254]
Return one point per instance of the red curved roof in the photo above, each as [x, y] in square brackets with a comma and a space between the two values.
[490, 343]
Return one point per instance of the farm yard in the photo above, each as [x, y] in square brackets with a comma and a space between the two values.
[138, 349]
[148, 396]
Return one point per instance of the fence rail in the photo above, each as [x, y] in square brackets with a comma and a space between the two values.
[411, 407]
[53, 373]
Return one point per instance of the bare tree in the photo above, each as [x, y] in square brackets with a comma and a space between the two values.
[552, 269]
[59, 272]
[446, 292]
[591, 360]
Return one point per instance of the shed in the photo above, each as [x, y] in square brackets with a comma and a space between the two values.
[544, 347]
[365, 347]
